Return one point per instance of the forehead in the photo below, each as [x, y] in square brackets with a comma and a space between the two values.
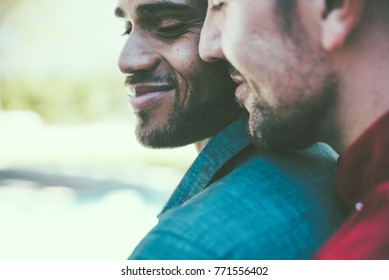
[138, 8]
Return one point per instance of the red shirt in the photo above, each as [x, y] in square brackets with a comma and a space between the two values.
[363, 183]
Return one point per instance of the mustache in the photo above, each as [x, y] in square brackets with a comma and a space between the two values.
[147, 77]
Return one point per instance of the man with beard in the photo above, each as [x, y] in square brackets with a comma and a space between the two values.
[317, 71]
[223, 208]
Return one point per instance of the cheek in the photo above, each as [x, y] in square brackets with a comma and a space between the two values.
[237, 42]
[178, 56]
[232, 49]
[186, 64]
[185, 59]
[243, 55]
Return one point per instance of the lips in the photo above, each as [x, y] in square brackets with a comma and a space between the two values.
[147, 95]
[237, 78]
[241, 91]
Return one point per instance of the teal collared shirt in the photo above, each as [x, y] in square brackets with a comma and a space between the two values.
[216, 154]
[263, 206]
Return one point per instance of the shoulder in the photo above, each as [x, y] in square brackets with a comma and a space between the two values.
[261, 210]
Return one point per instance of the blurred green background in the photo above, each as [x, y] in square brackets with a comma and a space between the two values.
[74, 182]
[58, 58]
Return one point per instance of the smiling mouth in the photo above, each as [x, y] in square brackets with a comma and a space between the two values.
[143, 96]
[237, 78]
[140, 90]
[235, 75]
[241, 91]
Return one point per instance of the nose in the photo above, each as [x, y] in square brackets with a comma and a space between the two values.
[138, 54]
[210, 48]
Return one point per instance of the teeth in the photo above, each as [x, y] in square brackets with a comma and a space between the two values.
[130, 92]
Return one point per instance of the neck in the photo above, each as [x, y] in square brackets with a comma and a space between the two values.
[363, 90]
[201, 144]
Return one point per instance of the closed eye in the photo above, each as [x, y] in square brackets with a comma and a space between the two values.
[171, 27]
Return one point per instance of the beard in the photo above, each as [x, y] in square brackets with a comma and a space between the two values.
[206, 112]
[290, 107]
[292, 126]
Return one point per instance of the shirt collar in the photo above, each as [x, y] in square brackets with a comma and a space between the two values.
[224, 146]
[365, 164]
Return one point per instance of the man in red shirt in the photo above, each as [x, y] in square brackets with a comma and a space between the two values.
[317, 71]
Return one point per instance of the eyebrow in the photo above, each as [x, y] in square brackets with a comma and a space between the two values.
[157, 7]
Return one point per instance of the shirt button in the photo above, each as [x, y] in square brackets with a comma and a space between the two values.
[359, 206]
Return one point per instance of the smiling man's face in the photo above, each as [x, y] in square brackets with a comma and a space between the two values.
[284, 78]
[178, 98]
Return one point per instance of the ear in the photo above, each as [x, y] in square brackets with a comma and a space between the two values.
[339, 19]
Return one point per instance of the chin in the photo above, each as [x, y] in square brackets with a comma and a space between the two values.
[162, 136]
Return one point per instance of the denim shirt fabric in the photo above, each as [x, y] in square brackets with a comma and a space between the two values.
[268, 206]
[224, 146]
